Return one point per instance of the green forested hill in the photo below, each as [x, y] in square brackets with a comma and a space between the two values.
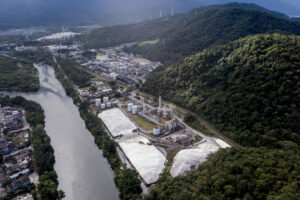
[244, 174]
[185, 34]
[17, 75]
[116, 35]
[211, 26]
[250, 88]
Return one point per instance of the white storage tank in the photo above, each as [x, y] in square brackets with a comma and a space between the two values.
[135, 110]
[156, 131]
[108, 105]
[105, 99]
[130, 107]
[170, 126]
[98, 102]
[103, 106]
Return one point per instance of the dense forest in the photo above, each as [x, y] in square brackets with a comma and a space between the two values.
[185, 34]
[248, 88]
[79, 77]
[209, 27]
[43, 152]
[243, 174]
[17, 75]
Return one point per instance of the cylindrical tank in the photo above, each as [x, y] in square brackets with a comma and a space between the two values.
[105, 99]
[108, 105]
[175, 124]
[103, 106]
[98, 102]
[135, 110]
[170, 126]
[156, 131]
[130, 107]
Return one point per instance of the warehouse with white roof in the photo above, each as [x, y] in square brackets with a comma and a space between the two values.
[117, 123]
[144, 157]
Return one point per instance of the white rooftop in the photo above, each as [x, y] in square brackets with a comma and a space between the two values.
[117, 122]
[147, 159]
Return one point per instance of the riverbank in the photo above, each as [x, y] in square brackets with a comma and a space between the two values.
[43, 153]
[73, 145]
[126, 179]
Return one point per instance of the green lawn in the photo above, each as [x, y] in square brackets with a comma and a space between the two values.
[149, 42]
[143, 123]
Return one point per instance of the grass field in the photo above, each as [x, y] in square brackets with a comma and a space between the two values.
[149, 42]
[143, 123]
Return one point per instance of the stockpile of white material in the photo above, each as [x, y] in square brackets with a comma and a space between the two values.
[146, 159]
[117, 123]
[222, 144]
[57, 36]
[187, 158]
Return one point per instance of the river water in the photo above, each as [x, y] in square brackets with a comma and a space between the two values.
[83, 173]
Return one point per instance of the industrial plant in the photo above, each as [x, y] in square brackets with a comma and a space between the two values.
[146, 132]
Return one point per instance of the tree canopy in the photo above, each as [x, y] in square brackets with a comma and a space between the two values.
[248, 88]
[17, 75]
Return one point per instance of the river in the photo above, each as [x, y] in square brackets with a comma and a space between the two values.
[83, 173]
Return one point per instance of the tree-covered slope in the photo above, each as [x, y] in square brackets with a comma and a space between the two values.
[250, 88]
[120, 34]
[203, 28]
[243, 174]
[185, 34]
[17, 75]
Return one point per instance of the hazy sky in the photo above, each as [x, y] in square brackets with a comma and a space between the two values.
[24, 12]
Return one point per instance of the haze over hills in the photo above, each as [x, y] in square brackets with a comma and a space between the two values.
[183, 35]
[20, 13]
[16, 13]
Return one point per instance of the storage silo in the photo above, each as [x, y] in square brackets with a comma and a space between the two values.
[135, 110]
[130, 107]
[98, 102]
[170, 126]
[105, 99]
[156, 131]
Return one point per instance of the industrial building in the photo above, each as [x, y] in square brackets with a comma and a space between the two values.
[117, 123]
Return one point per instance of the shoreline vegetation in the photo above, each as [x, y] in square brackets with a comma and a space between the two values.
[43, 153]
[10, 72]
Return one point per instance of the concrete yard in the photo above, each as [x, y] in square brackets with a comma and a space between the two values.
[117, 123]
